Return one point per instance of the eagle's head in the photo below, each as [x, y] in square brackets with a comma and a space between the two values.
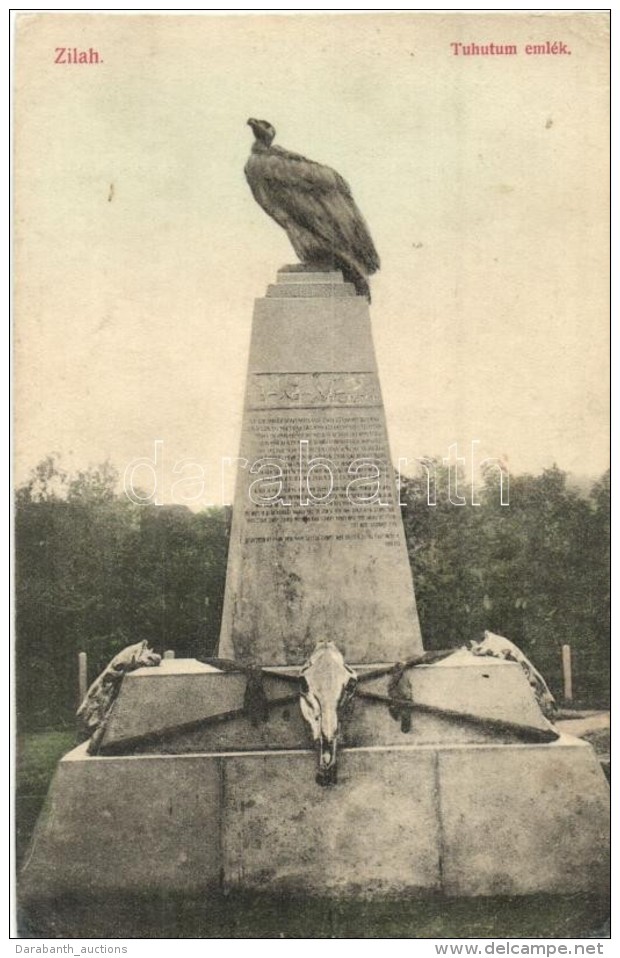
[263, 131]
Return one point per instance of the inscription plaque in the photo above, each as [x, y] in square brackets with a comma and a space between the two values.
[289, 390]
[310, 474]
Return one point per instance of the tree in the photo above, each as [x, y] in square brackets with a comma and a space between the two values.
[96, 572]
[535, 571]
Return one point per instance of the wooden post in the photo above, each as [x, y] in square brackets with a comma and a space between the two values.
[82, 676]
[568, 674]
[169, 654]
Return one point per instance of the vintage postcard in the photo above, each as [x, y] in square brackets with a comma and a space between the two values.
[312, 475]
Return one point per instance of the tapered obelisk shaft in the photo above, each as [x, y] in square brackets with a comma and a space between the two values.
[317, 545]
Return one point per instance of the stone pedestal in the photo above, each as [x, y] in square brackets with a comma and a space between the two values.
[459, 805]
[462, 820]
[184, 706]
[317, 548]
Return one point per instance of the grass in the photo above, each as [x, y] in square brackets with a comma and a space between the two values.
[260, 915]
[38, 754]
[587, 701]
[600, 740]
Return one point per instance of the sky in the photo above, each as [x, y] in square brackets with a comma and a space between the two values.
[139, 249]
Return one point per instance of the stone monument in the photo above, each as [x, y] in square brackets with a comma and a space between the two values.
[318, 550]
[450, 778]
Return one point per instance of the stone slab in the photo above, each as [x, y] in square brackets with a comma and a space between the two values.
[176, 666]
[156, 707]
[466, 820]
[524, 819]
[296, 291]
[127, 823]
[310, 335]
[483, 687]
[297, 276]
[286, 729]
[332, 564]
[376, 832]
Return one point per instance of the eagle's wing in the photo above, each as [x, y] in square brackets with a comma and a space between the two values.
[298, 191]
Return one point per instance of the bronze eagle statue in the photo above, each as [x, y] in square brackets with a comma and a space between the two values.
[314, 205]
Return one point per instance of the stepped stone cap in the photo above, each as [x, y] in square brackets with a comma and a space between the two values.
[308, 274]
[309, 282]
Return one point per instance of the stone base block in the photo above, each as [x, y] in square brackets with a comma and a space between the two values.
[170, 709]
[461, 820]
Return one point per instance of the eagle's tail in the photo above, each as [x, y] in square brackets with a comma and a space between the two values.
[352, 274]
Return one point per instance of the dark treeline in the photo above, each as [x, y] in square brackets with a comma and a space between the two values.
[536, 571]
[96, 572]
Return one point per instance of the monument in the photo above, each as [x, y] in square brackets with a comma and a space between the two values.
[317, 550]
[323, 751]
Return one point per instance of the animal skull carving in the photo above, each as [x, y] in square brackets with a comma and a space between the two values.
[326, 685]
[502, 648]
[100, 697]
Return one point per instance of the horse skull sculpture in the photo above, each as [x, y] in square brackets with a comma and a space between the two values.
[326, 685]
[502, 648]
[100, 697]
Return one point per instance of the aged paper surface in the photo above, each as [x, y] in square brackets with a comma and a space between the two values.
[476, 146]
